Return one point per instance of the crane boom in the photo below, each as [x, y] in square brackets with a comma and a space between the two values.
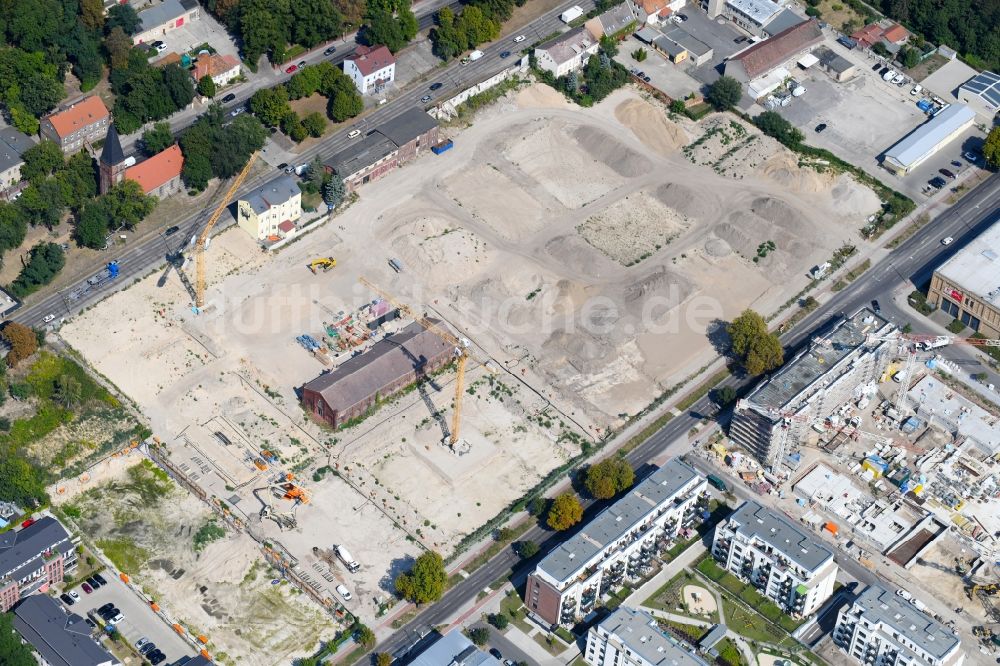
[199, 299]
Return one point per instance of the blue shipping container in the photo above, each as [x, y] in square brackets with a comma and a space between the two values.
[443, 146]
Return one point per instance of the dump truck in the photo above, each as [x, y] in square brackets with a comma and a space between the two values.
[349, 562]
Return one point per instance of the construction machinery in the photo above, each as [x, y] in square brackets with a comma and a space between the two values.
[987, 588]
[286, 488]
[202, 243]
[284, 519]
[460, 345]
[324, 263]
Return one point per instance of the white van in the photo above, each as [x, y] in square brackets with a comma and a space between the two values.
[344, 592]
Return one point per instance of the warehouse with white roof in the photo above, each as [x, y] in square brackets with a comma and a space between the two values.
[923, 142]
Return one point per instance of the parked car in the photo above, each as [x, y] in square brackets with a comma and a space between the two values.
[903, 593]
[72, 593]
[330, 51]
[519, 39]
[970, 156]
[956, 164]
[888, 74]
[292, 69]
[100, 579]
[877, 66]
[94, 583]
[946, 173]
[142, 642]
[496, 654]
[228, 98]
[147, 648]
[740, 39]
[436, 86]
[105, 607]
[353, 134]
[425, 99]
[504, 54]
[646, 79]
[820, 127]
[682, 17]
[66, 599]
[237, 111]
[159, 46]
[916, 90]
[937, 182]
[947, 240]
[47, 318]
[157, 658]
[876, 307]
[87, 589]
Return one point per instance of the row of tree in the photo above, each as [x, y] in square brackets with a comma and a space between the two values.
[271, 105]
[144, 92]
[214, 149]
[478, 22]
[389, 22]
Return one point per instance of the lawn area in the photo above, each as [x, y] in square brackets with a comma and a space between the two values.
[686, 632]
[749, 624]
[552, 645]
[729, 653]
[669, 597]
[748, 594]
[513, 607]
[124, 554]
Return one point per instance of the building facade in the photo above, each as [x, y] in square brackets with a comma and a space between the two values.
[630, 637]
[371, 68]
[883, 629]
[32, 558]
[12, 145]
[566, 53]
[924, 142]
[837, 367]
[222, 69]
[787, 565]
[160, 19]
[84, 122]
[261, 212]
[773, 53]
[967, 286]
[618, 545]
[982, 93]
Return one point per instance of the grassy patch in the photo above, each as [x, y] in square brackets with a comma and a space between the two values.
[207, 533]
[956, 326]
[551, 644]
[918, 301]
[563, 633]
[689, 633]
[993, 352]
[749, 624]
[124, 554]
[669, 597]
[510, 535]
[913, 228]
[729, 653]
[404, 618]
[512, 606]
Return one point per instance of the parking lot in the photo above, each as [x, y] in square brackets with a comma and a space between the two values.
[663, 74]
[140, 621]
[720, 34]
[195, 33]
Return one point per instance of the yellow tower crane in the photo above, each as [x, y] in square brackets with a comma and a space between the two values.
[461, 347]
[199, 250]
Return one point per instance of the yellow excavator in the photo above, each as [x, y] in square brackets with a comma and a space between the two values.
[326, 263]
[990, 588]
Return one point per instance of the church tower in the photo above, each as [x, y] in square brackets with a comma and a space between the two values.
[112, 165]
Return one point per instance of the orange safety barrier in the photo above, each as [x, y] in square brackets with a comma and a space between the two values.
[178, 628]
[124, 577]
[203, 639]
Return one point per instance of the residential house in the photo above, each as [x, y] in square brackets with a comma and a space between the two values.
[880, 627]
[614, 22]
[566, 53]
[160, 175]
[58, 637]
[269, 213]
[786, 564]
[454, 649]
[618, 545]
[888, 33]
[654, 12]
[371, 68]
[156, 21]
[12, 145]
[32, 558]
[762, 67]
[223, 69]
[629, 637]
[385, 148]
[388, 367]
[82, 123]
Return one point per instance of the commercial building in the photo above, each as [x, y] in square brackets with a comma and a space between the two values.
[616, 21]
[676, 44]
[269, 213]
[384, 149]
[616, 546]
[222, 69]
[761, 18]
[12, 145]
[33, 558]
[836, 367]
[770, 56]
[982, 93]
[566, 53]
[371, 68]
[160, 175]
[837, 66]
[630, 637]
[787, 565]
[922, 143]
[58, 637]
[84, 122]
[391, 365]
[454, 649]
[967, 286]
[156, 21]
[883, 628]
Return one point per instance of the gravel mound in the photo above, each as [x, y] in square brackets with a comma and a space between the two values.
[606, 149]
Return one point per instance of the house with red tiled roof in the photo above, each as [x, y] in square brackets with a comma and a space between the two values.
[887, 32]
[160, 175]
[764, 57]
[896, 34]
[371, 68]
[223, 69]
[83, 122]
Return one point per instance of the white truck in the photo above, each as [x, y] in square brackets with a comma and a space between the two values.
[571, 14]
[939, 341]
[349, 562]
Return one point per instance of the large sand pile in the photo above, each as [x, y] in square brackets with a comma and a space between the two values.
[541, 96]
[633, 228]
[651, 126]
[517, 213]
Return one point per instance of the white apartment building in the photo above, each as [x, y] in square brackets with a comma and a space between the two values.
[270, 212]
[836, 367]
[618, 545]
[883, 629]
[371, 68]
[567, 53]
[787, 565]
[631, 637]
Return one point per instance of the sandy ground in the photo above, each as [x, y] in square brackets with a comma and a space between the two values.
[699, 599]
[764, 659]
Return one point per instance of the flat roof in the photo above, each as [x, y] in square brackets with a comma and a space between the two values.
[407, 126]
[61, 638]
[687, 40]
[896, 614]
[772, 528]
[454, 649]
[358, 156]
[833, 60]
[168, 10]
[976, 267]
[811, 364]
[760, 11]
[930, 395]
[926, 138]
[783, 21]
[640, 633]
[617, 520]
[985, 85]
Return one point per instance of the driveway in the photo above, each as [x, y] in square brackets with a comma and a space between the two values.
[140, 620]
[719, 34]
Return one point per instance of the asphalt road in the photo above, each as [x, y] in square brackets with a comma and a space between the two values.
[912, 261]
[140, 258]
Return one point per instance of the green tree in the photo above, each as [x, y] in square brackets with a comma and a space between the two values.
[270, 105]
[425, 581]
[757, 349]
[444, 37]
[177, 82]
[157, 139]
[44, 263]
[92, 225]
[479, 636]
[124, 16]
[565, 512]
[206, 86]
[880, 49]
[314, 123]
[724, 93]
[12, 651]
[725, 396]
[527, 548]
[364, 636]
[127, 204]
[41, 160]
[22, 342]
[498, 620]
[334, 191]
[991, 148]
[384, 27]
[910, 57]
[345, 105]
[77, 180]
[313, 22]
[678, 106]
[92, 14]
[307, 80]
[774, 125]
[640, 54]
[42, 203]
[118, 46]
[609, 477]
[197, 172]
[383, 659]
[13, 226]
[84, 52]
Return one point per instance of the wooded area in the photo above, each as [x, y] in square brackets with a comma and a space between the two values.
[971, 27]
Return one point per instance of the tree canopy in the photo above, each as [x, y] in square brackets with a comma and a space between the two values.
[44, 263]
[22, 340]
[144, 92]
[268, 27]
[609, 477]
[991, 148]
[968, 26]
[425, 581]
[157, 139]
[565, 512]
[757, 349]
[392, 28]
[774, 124]
[212, 149]
[724, 93]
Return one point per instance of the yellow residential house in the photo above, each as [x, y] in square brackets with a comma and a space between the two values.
[270, 212]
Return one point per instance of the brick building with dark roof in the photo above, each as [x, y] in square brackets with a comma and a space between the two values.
[389, 366]
[32, 559]
[762, 58]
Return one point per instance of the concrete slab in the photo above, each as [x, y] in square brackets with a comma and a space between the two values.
[672, 79]
[945, 81]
